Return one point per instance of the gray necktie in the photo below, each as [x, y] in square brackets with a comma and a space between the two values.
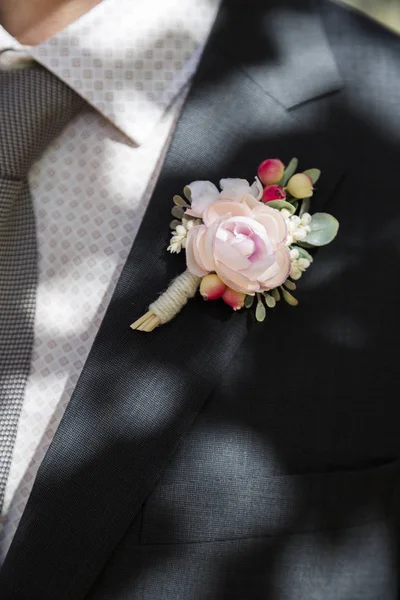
[34, 107]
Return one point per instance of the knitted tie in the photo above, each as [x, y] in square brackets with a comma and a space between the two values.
[34, 107]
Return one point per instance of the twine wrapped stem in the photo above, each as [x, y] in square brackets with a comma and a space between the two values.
[170, 303]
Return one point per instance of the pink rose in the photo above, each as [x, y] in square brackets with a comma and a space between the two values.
[241, 241]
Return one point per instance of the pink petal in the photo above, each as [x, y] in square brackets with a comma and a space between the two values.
[257, 189]
[236, 281]
[256, 271]
[200, 251]
[233, 183]
[245, 220]
[216, 210]
[273, 222]
[251, 200]
[203, 194]
[279, 271]
[192, 256]
[245, 245]
[234, 188]
[208, 244]
[258, 232]
[228, 255]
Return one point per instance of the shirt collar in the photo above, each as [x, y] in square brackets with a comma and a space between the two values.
[128, 59]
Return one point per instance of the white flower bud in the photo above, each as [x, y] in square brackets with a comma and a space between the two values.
[295, 273]
[181, 230]
[289, 240]
[300, 234]
[303, 263]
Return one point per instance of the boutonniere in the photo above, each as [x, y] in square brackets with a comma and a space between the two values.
[245, 244]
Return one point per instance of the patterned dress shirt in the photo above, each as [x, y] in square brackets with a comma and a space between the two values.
[132, 62]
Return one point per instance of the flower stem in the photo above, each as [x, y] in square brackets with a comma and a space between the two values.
[305, 206]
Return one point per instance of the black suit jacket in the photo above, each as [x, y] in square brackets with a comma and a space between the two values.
[217, 458]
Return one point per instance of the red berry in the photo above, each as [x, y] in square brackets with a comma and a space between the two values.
[271, 171]
[273, 192]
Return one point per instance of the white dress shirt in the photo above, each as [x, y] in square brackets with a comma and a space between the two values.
[132, 61]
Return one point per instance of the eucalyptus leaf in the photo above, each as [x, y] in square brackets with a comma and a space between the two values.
[276, 294]
[178, 212]
[188, 193]
[270, 300]
[303, 252]
[248, 301]
[290, 285]
[289, 171]
[179, 201]
[305, 245]
[314, 174]
[280, 204]
[261, 313]
[305, 206]
[174, 224]
[289, 298]
[324, 229]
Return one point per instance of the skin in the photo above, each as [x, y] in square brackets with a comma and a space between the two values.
[33, 21]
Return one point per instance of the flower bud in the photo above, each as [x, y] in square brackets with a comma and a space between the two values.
[300, 186]
[271, 171]
[273, 192]
[211, 287]
[233, 299]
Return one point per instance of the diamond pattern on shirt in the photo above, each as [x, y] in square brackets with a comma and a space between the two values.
[90, 191]
[128, 58]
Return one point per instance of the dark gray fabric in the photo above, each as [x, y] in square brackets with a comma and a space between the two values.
[220, 459]
[17, 310]
[34, 106]
[287, 484]
[198, 510]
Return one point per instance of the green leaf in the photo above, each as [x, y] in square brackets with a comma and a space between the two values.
[305, 245]
[248, 301]
[174, 224]
[314, 174]
[188, 193]
[178, 212]
[290, 285]
[289, 171]
[279, 204]
[270, 300]
[261, 313]
[276, 294]
[324, 229]
[179, 201]
[289, 298]
[303, 252]
[305, 206]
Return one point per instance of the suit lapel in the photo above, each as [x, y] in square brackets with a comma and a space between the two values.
[138, 393]
[289, 55]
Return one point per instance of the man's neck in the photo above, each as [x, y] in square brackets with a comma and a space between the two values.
[33, 21]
